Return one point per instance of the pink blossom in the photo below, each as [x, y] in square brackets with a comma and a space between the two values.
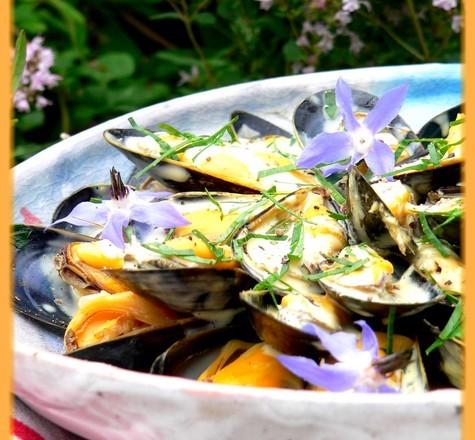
[355, 42]
[302, 41]
[457, 23]
[343, 17]
[446, 5]
[265, 4]
[36, 77]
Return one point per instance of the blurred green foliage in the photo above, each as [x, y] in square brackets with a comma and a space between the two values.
[115, 56]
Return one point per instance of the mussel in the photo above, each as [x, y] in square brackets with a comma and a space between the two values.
[39, 292]
[373, 284]
[290, 239]
[193, 163]
[278, 319]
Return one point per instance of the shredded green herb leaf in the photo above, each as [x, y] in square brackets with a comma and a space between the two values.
[452, 330]
[337, 195]
[215, 203]
[348, 268]
[277, 170]
[431, 237]
[390, 329]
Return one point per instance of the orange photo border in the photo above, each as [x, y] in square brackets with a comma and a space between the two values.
[6, 321]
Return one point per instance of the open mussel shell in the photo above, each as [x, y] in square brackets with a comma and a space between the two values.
[438, 207]
[425, 178]
[319, 113]
[190, 356]
[408, 293]
[287, 337]
[39, 291]
[304, 217]
[137, 350]
[372, 219]
[233, 166]
[172, 174]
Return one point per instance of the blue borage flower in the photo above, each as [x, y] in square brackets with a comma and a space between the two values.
[359, 140]
[125, 206]
[355, 369]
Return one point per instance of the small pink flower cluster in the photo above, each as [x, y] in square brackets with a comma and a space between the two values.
[36, 77]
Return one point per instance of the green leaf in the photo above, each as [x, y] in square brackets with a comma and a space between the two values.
[205, 19]
[277, 170]
[297, 242]
[337, 195]
[431, 237]
[116, 65]
[292, 52]
[453, 328]
[19, 60]
[330, 108]
[215, 203]
[21, 236]
[30, 121]
[166, 16]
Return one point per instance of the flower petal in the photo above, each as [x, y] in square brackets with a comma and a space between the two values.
[385, 388]
[386, 109]
[325, 148]
[344, 102]
[86, 214]
[335, 168]
[369, 341]
[336, 377]
[161, 214]
[341, 345]
[380, 158]
[114, 228]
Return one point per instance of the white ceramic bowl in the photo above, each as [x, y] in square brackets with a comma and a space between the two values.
[98, 401]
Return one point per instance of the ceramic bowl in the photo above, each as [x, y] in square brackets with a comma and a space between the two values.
[98, 401]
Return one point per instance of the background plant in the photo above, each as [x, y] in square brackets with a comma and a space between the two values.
[115, 56]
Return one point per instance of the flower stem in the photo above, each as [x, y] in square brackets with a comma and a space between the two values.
[390, 329]
[417, 27]
[393, 35]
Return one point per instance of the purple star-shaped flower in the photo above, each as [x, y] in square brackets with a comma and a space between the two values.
[126, 205]
[359, 140]
[355, 368]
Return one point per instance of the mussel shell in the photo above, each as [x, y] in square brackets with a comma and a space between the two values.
[173, 176]
[138, 349]
[295, 277]
[39, 291]
[381, 308]
[368, 221]
[311, 117]
[438, 126]
[180, 178]
[82, 195]
[422, 182]
[249, 126]
[188, 289]
[452, 354]
[283, 337]
[180, 357]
